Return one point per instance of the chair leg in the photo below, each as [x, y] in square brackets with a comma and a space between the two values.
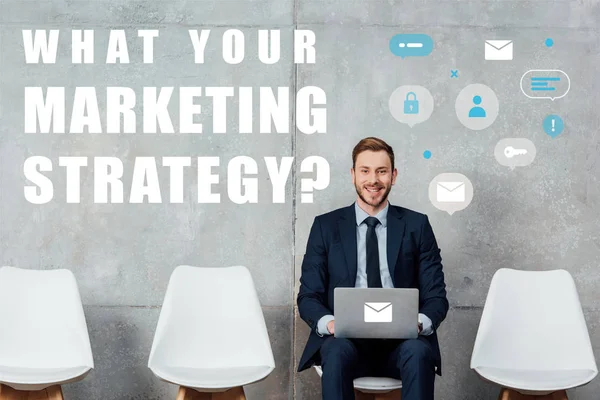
[510, 394]
[393, 395]
[8, 393]
[191, 394]
[236, 393]
[358, 395]
[185, 393]
[51, 393]
[55, 393]
[560, 395]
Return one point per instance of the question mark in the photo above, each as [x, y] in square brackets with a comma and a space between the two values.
[322, 181]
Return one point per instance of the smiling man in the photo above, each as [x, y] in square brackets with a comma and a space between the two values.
[356, 246]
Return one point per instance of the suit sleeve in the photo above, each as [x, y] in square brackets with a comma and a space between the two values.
[432, 288]
[313, 280]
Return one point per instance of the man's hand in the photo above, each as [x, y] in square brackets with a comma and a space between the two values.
[331, 326]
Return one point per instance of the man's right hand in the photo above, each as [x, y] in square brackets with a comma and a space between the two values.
[331, 327]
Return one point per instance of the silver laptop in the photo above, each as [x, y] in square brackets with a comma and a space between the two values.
[376, 313]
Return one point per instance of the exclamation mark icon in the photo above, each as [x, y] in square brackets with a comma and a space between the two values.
[553, 125]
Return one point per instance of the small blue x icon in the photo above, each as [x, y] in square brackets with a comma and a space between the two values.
[454, 73]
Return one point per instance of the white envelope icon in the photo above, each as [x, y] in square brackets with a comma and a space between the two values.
[451, 192]
[378, 312]
[498, 49]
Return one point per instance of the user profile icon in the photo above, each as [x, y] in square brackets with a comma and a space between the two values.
[477, 106]
[477, 111]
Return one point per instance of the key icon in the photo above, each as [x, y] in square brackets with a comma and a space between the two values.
[510, 152]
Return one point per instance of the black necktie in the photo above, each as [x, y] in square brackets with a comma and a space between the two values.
[373, 274]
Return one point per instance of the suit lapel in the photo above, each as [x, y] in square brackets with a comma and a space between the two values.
[347, 229]
[395, 233]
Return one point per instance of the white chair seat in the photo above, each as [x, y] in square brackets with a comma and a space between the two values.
[533, 336]
[371, 384]
[211, 333]
[213, 378]
[44, 339]
[548, 380]
[39, 378]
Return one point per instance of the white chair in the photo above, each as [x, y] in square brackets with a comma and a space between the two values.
[211, 338]
[373, 388]
[44, 341]
[533, 338]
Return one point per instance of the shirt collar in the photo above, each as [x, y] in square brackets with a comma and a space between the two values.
[361, 214]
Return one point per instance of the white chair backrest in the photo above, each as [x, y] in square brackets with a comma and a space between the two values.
[532, 320]
[211, 318]
[42, 320]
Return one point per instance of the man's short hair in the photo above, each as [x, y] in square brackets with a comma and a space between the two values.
[373, 144]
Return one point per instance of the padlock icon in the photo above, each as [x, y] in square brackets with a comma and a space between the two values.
[411, 106]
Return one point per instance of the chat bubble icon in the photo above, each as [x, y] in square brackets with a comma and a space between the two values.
[545, 84]
[450, 192]
[411, 104]
[515, 152]
[411, 45]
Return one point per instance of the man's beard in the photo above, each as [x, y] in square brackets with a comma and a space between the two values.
[383, 198]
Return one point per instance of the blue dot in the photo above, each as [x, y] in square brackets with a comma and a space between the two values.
[427, 154]
[477, 99]
[549, 42]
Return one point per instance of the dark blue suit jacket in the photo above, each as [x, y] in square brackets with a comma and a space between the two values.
[331, 261]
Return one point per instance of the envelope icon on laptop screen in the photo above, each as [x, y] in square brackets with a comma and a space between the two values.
[498, 49]
[378, 311]
[451, 192]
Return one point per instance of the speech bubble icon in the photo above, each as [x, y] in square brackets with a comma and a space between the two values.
[545, 84]
[515, 152]
[411, 45]
[450, 192]
[411, 104]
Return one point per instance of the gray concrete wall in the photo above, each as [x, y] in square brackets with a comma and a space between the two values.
[544, 216]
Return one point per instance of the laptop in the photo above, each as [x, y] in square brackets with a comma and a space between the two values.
[376, 313]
